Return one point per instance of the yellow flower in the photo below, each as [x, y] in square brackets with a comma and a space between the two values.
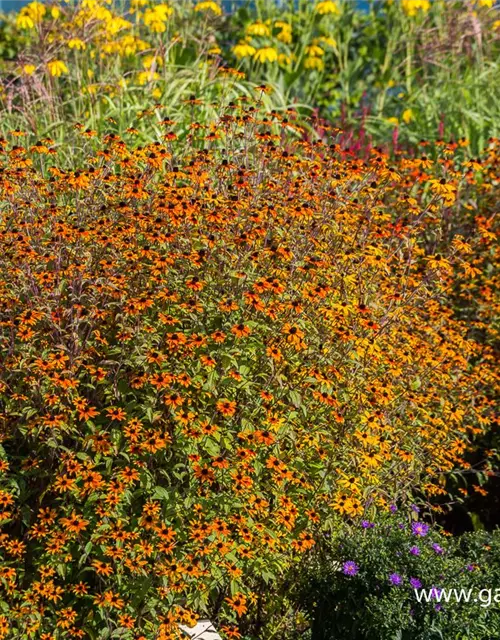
[328, 6]
[76, 43]
[283, 59]
[24, 21]
[156, 17]
[393, 121]
[485, 3]
[57, 68]
[314, 62]
[156, 93]
[266, 54]
[243, 50]
[412, 7]
[150, 61]
[209, 5]
[330, 42]
[55, 12]
[313, 50]
[214, 51]
[116, 24]
[35, 10]
[407, 115]
[29, 69]
[258, 29]
[496, 24]
[143, 77]
[285, 35]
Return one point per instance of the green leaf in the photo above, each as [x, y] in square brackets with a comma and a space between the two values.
[160, 493]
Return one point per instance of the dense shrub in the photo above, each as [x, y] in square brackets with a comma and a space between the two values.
[367, 584]
[208, 362]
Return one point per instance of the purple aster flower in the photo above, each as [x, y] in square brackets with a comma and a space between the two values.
[415, 551]
[415, 508]
[366, 524]
[439, 550]
[438, 607]
[415, 583]
[395, 579]
[350, 568]
[420, 528]
[470, 567]
[435, 592]
[393, 508]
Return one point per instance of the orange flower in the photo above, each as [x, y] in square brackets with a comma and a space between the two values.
[241, 331]
[238, 603]
[226, 407]
[116, 414]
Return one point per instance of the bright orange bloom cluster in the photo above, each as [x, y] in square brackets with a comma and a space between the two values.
[206, 362]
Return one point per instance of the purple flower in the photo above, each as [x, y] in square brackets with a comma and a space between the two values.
[439, 550]
[415, 551]
[366, 524]
[393, 508]
[435, 592]
[395, 579]
[420, 528]
[415, 583]
[470, 567]
[415, 508]
[350, 568]
[438, 607]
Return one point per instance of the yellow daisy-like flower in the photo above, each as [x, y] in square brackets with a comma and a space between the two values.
[29, 69]
[314, 62]
[35, 10]
[266, 54]
[55, 12]
[150, 61]
[76, 43]
[413, 7]
[485, 3]
[313, 50]
[285, 35]
[156, 17]
[209, 5]
[57, 68]
[258, 29]
[24, 21]
[284, 60]
[143, 77]
[243, 50]
[407, 115]
[326, 7]
[329, 41]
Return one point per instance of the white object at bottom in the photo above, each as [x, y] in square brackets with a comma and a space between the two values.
[203, 630]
